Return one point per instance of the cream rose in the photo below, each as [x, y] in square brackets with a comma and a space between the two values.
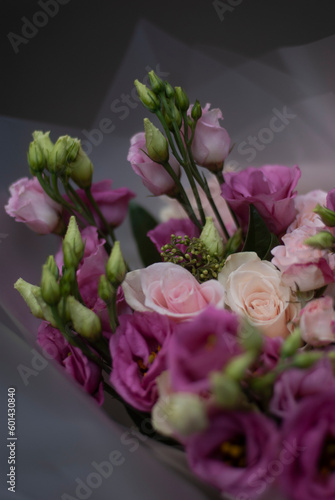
[254, 288]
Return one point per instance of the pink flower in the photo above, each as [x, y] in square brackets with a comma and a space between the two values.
[138, 349]
[113, 203]
[331, 200]
[170, 290]
[254, 288]
[78, 366]
[30, 204]
[154, 176]
[303, 266]
[270, 189]
[180, 227]
[211, 142]
[317, 322]
[305, 204]
[200, 346]
[235, 453]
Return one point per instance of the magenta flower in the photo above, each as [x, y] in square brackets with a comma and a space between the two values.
[308, 473]
[28, 203]
[138, 349]
[211, 143]
[331, 200]
[154, 176]
[295, 384]
[201, 346]
[75, 363]
[180, 227]
[317, 322]
[235, 453]
[270, 189]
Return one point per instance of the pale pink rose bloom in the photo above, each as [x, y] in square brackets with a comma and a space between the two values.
[254, 289]
[154, 176]
[173, 209]
[305, 204]
[211, 142]
[30, 204]
[170, 290]
[317, 322]
[303, 266]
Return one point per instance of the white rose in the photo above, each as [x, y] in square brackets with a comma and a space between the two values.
[254, 288]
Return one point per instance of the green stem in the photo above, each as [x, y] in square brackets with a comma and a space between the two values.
[169, 137]
[100, 214]
[220, 179]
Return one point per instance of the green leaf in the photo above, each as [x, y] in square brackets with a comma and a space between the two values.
[142, 222]
[259, 239]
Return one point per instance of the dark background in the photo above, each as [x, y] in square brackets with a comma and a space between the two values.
[63, 73]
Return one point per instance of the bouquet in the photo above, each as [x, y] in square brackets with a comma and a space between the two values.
[224, 339]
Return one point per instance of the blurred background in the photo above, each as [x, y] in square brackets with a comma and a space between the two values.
[69, 65]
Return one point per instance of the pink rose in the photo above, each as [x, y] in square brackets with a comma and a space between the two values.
[270, 189]
[317, 322]
[170, 290]
[254, 289]
[30, 204]
[303, 266]
[211, 142]
[305, 204]
[154, 176]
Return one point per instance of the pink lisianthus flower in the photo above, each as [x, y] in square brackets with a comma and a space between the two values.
[138, 350]
[271, 189]
[161, 235]
[305, 204]
[170, 290]
[330, 201]
[76, 364]
[28, 203]
[113, 203]
[200, 346]
[301, 265]
[244, 474]
[295, 384]
[211, 142]
[153, 175]
[308, 473]
[317, 322]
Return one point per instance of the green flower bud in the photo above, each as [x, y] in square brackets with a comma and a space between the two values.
[263, 385]
[156, 83]
[51, 263]
[237, 367]
[116, 269]
[175, 114]
[322, 240]
[36, 158]
[169, 92]
[69, 257]
[250, 337]
[181, 99]
[226, 390]
[74, 239]
[291, 344]
[234, 242]
[307, 359]
[26, 291]
[327, 215]
[211, 238]
[196, 111]
[44, 142]
[49, 287]
[67, 281]
[147, 96]
[81, 169]
[85, 322]
[47, 313]
[64, 151]
[105, 290]
[157, 145]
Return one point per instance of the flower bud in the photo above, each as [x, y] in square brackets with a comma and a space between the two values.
[67, 281]
[327, 215]
[250, 337]
[234, 243]
[181, 99]
[196, 111]
[51, 263]
[291, 344]
[44, 142]
[323, 240]
[36, 158]
[157, 145]
[175, 114]
[147, 96]
[26, 290]
[81, 169]
[237, 367]
[226, 390]
[69, 257]
[169, 92]
[64, 151]
[156, 83]
[74, 239]
[50, 289]
[211, 238]
[105, 290]
[116, 269]
[307, 359]
[85, 322]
